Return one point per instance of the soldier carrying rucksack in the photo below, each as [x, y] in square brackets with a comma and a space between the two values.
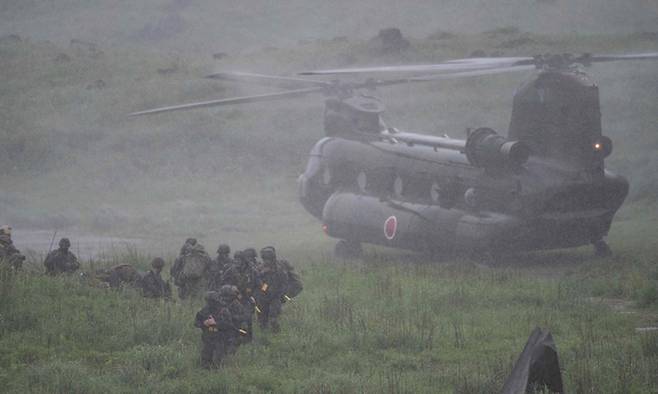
[190, 269]
[8, 252]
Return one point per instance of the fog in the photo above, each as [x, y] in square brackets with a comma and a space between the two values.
[206, 25]
[72, 70]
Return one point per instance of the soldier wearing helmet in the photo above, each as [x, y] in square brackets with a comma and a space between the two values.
[8, 252]
[61, 260]
[219, 321]
[278, 284]
[251, 256]
[153, 286]
[190, 269]
[218, 266]
[244, 277]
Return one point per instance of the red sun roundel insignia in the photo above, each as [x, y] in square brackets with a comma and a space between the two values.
[390, 227]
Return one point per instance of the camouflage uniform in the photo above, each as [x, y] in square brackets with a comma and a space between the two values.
[190, 286]
[243, 275]
[61, 260]
[218, 266]
[221, 337]
[8, 252]
[116, 276]
[153, 286]
[275, 285]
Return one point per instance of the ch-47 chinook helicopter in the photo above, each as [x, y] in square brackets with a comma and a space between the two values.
[544, 186]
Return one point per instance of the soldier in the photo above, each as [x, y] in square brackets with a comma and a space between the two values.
[278, 284]
[243, 275]
[190, 269]
[61, 260]
[114, 277]
[251, 256]
[8, 252]
[219, 321]
[153, 286]
[218, 266]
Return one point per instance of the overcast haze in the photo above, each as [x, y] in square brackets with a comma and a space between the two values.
[73, 69]
[208, 25]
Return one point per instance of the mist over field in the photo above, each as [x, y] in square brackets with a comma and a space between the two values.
[72, 71]
[128, 188]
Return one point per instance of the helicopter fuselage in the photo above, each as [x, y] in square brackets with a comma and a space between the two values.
[432, 199]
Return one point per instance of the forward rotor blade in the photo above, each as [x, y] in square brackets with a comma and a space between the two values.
[229, 101]
[258, 78]
[457, 65]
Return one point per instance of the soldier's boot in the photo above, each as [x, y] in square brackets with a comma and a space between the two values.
[250, 331]
[275, 325]
[218, 357]
[263, 319]
[182, 292]
[207, 351]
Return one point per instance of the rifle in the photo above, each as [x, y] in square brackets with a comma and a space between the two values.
[52, 241]
[253, 301]
[214, 328]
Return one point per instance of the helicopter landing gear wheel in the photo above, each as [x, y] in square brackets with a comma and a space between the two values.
[601, 248]
[347, 250]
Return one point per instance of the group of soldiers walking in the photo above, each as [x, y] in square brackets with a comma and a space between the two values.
[235, 288]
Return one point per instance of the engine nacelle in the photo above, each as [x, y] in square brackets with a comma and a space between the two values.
[486, 149]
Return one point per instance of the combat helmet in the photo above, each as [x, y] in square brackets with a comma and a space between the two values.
[224, 249]
[249, 254]
[227, 293]
[268, 253]
[64, 243]
[157, 263]
[238, 255]
[213, 297]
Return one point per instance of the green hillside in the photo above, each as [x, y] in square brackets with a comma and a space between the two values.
[73, 157]
[390, 322]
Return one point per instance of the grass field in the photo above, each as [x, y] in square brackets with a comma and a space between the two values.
[391, 322]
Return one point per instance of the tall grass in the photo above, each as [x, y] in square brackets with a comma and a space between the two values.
[376, 325]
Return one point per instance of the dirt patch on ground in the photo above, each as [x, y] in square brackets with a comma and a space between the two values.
[647, 320]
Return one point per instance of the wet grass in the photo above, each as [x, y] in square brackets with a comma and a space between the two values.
[387, 323]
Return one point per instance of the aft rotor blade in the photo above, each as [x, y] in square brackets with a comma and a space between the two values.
[429, 78]
[473, 73]
[229, 101]
[252, 77]
[457, 65]
[631, 56]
